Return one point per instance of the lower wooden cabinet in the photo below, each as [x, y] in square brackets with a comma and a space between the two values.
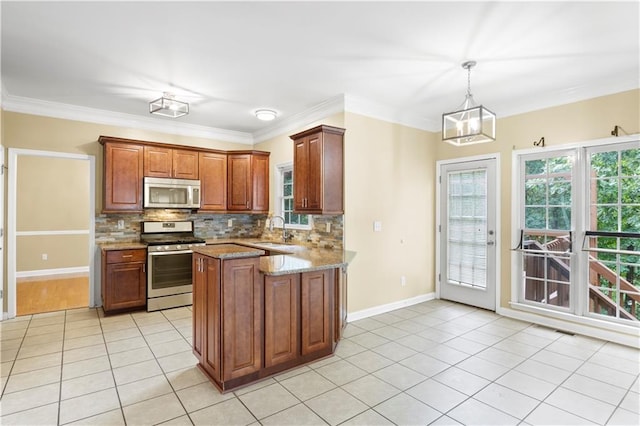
[248, 326]
[227, 318]
[124, 280]
[281, 324]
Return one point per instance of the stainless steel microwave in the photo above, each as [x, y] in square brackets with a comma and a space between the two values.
[167, 193]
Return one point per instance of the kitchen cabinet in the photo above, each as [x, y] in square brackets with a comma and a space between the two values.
[316, 309]
[170, 163]
[124, 279]
[281, 318]
[213, 181]
[318, 170]
[248, 181]
[227, 319]
[123, 173]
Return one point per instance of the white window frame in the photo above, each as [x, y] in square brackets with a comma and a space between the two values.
[579, 317]
[279, 209]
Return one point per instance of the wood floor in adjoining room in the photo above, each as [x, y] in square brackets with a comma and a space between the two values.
[47, 294]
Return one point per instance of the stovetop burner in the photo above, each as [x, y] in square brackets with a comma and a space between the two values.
[170, 234]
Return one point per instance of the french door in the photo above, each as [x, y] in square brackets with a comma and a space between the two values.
[467, 242]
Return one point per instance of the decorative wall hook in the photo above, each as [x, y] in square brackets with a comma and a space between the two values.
[539, 143]
[616, 130]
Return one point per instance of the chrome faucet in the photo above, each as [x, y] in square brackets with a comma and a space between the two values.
[284, 229]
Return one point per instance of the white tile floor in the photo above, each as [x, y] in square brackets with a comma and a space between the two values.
[433, 363]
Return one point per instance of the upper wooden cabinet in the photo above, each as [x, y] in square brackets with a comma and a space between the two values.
[123, 172]
[170, 163]
[318, 170]
[213, 181]
[248, 181]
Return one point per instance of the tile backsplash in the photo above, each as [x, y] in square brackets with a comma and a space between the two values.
[125, 227]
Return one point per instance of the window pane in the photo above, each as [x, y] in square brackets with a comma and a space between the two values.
[607, 219]
[630, 162]
[560, 165]
[287, 190]
[559, 217]
[559, 192]
[535, 217]
[630, 190]
[535, 192]
[631, 219]
[605, 164]
[607, 191]
[535, 167]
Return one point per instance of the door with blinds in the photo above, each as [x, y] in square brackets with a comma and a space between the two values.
[468, 233]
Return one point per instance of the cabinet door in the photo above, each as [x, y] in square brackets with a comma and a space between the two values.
[316, 309]
[185, 164]
[314, 173]
[212, 361]
[213, 181]
[126, 286]
[340, 320]
[123, 168]
[281, 312]
[239, 182]
[158, 161]
[241, 318]
[300, 173]
[199, 307]
[260, 182]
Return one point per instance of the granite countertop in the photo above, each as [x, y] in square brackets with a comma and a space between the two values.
[305, 261]
[228, 251]
[297, 258]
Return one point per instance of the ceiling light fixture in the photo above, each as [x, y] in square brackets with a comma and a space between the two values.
[168, 106]
[470, 123]
[266, 114]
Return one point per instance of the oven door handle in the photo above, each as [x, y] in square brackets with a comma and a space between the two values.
[165, 253]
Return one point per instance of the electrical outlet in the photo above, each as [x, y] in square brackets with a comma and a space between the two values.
[403, 280]
[121, 224]
[377, 226]
[328, 226]
[45, 256]
[230, 223]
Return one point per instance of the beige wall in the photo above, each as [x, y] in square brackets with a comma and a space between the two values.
[389, 177]
[571, 123]
[52, 195]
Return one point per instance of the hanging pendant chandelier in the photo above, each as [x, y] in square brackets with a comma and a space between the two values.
[470, 123]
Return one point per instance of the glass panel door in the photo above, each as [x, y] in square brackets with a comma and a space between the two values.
[468, 233]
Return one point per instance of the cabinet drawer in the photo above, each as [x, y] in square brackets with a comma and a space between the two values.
[120, 256]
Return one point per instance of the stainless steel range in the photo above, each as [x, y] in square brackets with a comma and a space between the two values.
[169, 263]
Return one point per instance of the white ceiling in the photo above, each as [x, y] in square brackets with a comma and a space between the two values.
[395, 60]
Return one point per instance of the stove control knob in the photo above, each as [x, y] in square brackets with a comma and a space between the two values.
[166, 247]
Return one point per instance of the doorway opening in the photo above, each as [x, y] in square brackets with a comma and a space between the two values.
[50, 231]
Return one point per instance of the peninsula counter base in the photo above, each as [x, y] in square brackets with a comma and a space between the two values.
[248, 326]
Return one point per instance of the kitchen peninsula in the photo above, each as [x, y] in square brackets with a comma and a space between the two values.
[255, 314]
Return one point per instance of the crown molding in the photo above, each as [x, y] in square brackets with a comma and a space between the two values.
[371, 109]
[324, 109]
[92, 115]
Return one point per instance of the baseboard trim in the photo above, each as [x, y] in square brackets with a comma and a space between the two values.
[381, 309]
[53, 272]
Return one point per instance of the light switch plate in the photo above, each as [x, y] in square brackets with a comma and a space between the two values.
[377, 226]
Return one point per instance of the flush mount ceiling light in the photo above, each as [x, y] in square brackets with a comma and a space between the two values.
[470, 123]
[266, 114]
[168, 106]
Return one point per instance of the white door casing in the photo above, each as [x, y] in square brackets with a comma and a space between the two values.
[468, 245]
